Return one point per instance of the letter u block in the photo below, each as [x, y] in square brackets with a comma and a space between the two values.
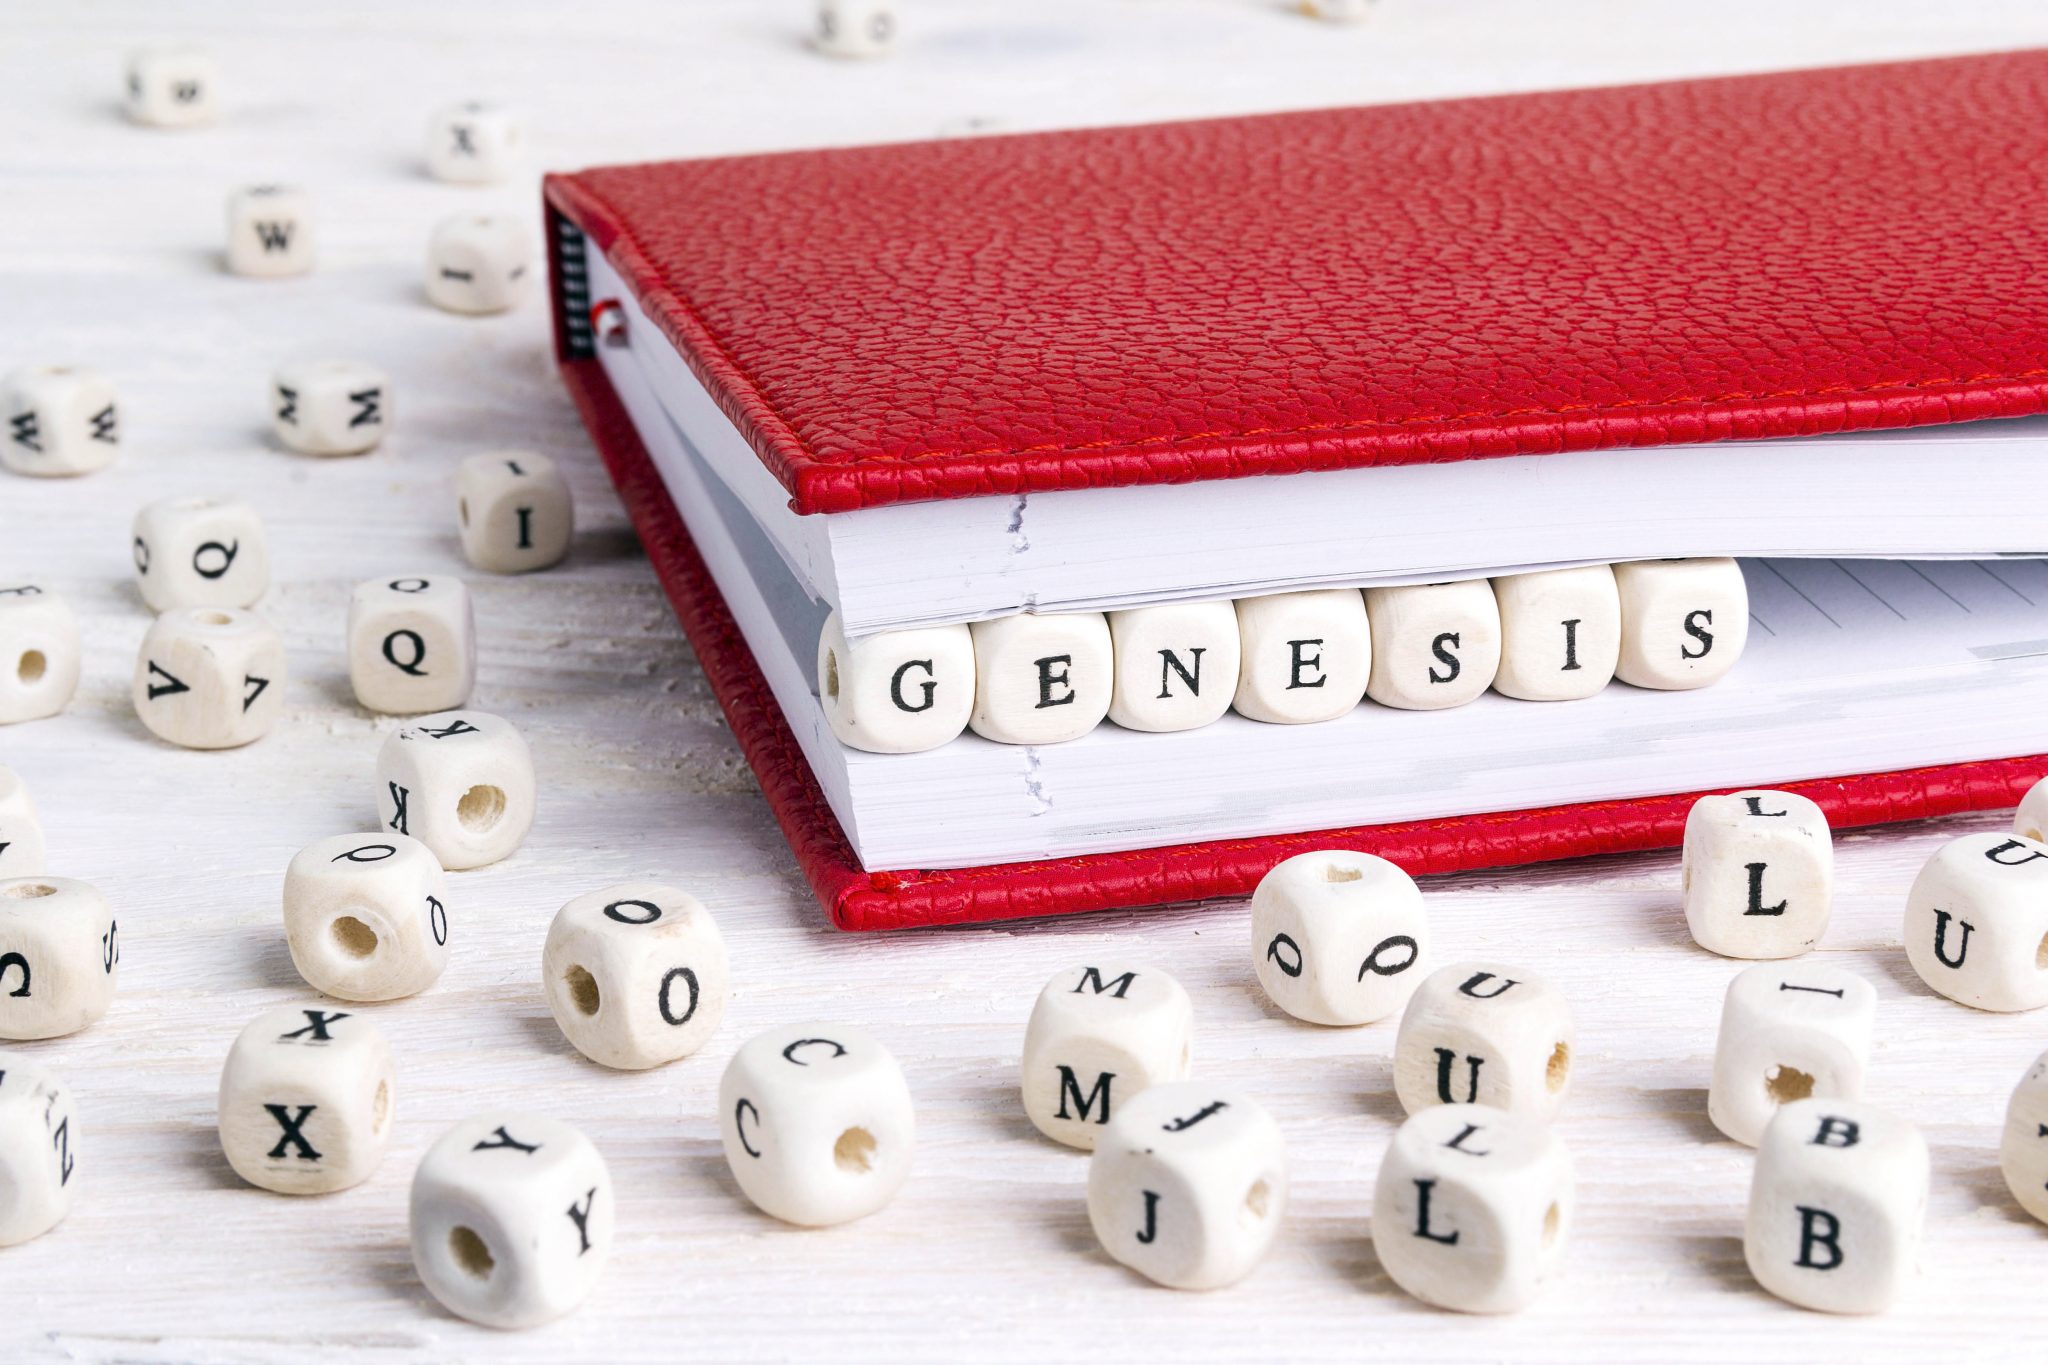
[1099, 1035]
[1481, 1033]
[1977, 922]
[897, 692]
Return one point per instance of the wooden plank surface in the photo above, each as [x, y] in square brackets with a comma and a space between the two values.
[108, 247]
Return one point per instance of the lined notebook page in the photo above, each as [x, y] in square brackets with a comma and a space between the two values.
[1813, 619]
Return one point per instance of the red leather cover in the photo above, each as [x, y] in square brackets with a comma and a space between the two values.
[1754, 256]
[856, 899]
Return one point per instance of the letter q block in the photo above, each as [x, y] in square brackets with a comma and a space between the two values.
[411, 644]
[1338, 937]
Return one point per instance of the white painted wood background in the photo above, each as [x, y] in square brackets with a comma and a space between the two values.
[108, 242]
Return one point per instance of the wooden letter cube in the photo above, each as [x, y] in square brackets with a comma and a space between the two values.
[1097, 1037]
[1176, 665]
[1977, 922]
[461, 783]
[899, 691]
[1188, 1185]
[171, 87]
[38, 653]
[1338, 937]
[1836, 1205]
[1434, 645]
[1683, 621]
[1041, 679]
[2023, 1147]
[1759, 873]
[478, 263]
[270, 231]
[2031, 819]
[209, 678]
[306, 1100]
[1472, 1208]
[411, 644]
[60, 956]
[514, 511]
[817, 1123]
[1560, 633]
[366, 916]
[856, 28]
[200, 552]
[38, 1149]
[474, 143]
[1788, 1033]
[1306, 655]
[330, 407]
[635, 974]
[21, 830]
[1481, 1033]
[61, 420]
[511, 1219]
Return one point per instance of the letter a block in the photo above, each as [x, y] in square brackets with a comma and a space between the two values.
[1480, 1033]
[1099, 1035]
[1759, 874]
[1977, 922]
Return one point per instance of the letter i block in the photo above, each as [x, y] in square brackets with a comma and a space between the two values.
[1041, 679]
[898, 692]
[1759, 874]
[1098, 1036]
[1977, 922]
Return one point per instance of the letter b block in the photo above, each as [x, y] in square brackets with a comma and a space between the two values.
[1759, 874]
[898, 692]
[1480, 1033]
[1338, 937]
[1977, 922]
[1098, 1036]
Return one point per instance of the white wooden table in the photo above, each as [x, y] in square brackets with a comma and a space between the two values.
[108, 243]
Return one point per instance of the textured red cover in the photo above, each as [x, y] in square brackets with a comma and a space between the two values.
[1754, 256]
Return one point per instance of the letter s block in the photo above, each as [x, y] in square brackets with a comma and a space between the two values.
[1434, 645]
[1683, 621]
[59, 957]
[897, 692]
[1338, 937]
[1098, 1035]
[1977, 922]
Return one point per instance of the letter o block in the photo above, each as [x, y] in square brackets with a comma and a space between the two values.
[1338, 936]
[1099, 1035]
[898, 692]
[1482, 1033]
[636, 974]
[1977, 922]
[1683, 621]
[1041, 679]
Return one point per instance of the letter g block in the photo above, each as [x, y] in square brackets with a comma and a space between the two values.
[1099, 1035]
[899, 692]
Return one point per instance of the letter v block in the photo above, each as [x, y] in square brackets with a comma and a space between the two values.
[1099, 1034]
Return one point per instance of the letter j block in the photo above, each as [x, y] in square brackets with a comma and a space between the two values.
[899, 692]
[1099, 1035]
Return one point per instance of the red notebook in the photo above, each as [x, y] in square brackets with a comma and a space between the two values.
[1770, 256]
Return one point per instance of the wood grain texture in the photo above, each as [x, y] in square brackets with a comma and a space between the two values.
[108, 256]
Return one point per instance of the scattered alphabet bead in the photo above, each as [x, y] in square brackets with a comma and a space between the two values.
[478, 263]
[209, 678]
[1434, 645]
[460, 782]
[474, 143]
[306, 1100]
[636, 974]
[171, 87]
[270, 231]
[1836, 1204]
[1098, 1036]
[1481, 1033]
[1977, 922]
[817, 1123]
[1683, 621]
[1560, 633]
[2023, 1147]
[330, 407]
[200, 552]
[366, 916]
[899, 691]
[1472, 1208]
[60, 956]
[61, 420]
[514, 511]
[1041, 679]
[1788, 1033]
[1306, 655]
[39, 653]
[1759, 870]
[21, 829]
[2031, 819]
[1338, 937]
[1188, 1185]
[1176, 665]
[856, 28]
[411, 644]
[38, 1149]
[511, 1219]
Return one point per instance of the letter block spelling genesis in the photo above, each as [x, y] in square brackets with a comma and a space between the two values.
[1683, 621]
[898, 692]
[1099, 1035]
[1176, 665]
[1041, 679]
[1306, 655]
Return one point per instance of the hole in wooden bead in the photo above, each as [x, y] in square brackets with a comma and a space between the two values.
[1258, 1199]
[29, 891]
[462, 511]
[470, 1252]
[832, 675]
[1785, 1084]
[354, 937]
[582, 988]
[1551, 1218]
[2041, 954]
[1337, 872]
[1560, 1067]
[216, 618]
[380, 1107]
[480, 808]
[31, 667]
[855, 1151]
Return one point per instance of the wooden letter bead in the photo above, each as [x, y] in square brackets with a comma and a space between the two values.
[511, 1219]
[366, 916]
[461, 783]
[635, 974]
[1041, 679]
[1433, 644]
[330, 407]
[60, 955]
[1306, 655]
[61, 420]
[1683, 621]
[2023, 1148]
[1977, 922]
[1788, 1033]
[270, 231]
[817, 1123]
[1188, 1185]
[38, 1149]
[856, 28]
[1097, 1037]
[2031, 819]
[1560, 633]
[306, 1100]
[1337, 11]
[38, 653]
[1472, 1208]
[1759, 873]
[474, 143]
[1176, 666]
[200, 552]
[209, 678]
[21, 830]
[1481, 1033]
[171, 87]
[897, 692]
[411, 644]
[1338, 937]
[1836, 1204]
[477, 263]
[514, 511]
